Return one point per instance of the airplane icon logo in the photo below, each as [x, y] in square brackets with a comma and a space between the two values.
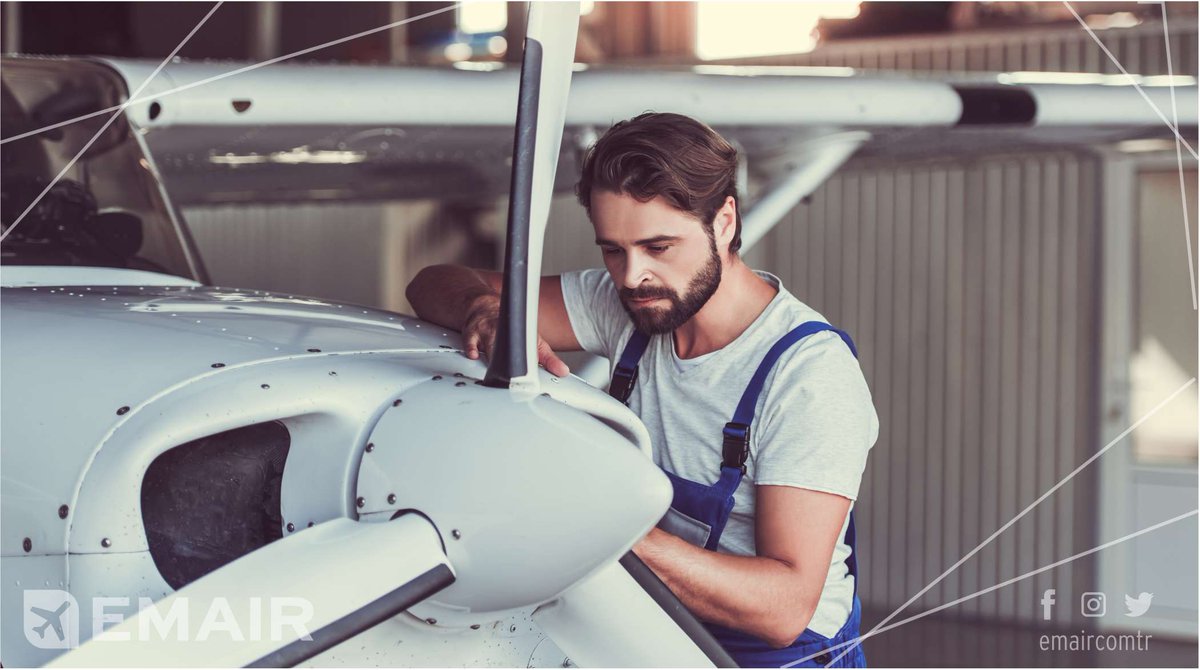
[51, 619]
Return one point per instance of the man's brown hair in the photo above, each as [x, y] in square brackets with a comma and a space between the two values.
[669, 155]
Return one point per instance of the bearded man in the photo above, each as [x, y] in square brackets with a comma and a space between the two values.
[757, 408]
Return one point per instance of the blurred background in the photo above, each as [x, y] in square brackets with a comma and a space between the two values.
[1015, 312]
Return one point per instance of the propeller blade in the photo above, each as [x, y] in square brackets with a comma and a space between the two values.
[541, 111]
[326, 583]
[610, 620]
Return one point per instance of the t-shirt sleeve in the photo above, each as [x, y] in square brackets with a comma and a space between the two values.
[595, 310]
[818, 420]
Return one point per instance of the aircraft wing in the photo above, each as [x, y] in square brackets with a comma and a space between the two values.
[335, 132]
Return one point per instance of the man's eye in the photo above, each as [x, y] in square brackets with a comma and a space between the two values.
[608, 251]
[657, 249]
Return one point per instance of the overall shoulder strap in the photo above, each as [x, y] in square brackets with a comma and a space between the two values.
[626, 374]
[736, 434]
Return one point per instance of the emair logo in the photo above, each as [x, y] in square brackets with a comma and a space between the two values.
[51, 619]
[1139, 605]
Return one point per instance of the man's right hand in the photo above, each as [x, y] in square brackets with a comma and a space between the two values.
[468, 301]
[479, 334]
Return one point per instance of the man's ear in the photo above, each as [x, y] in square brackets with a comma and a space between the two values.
[725, 224]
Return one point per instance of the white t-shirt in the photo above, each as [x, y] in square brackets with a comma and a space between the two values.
[813, 425]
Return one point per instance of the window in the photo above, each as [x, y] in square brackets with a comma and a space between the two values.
[1164, 329]
[741, 29]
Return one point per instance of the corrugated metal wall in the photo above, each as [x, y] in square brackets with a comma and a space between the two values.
[969, 288]
[364, 253]
[310, 249]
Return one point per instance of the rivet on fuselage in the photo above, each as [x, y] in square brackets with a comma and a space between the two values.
[106, 543]
[396, 402]
[370, 447]
[63, 510]
[431, 621]
[291, 527]
[27, 545]
[436, 377]
[122, 410]
[361, 502]
[391, 498]
[460, 384]
[456, 534]
[218, 365]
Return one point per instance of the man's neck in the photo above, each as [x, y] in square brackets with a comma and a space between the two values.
[740, 298]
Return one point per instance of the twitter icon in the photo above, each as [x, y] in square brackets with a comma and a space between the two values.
[1138, 606]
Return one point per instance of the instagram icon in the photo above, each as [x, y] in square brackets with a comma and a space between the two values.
[1092, 604]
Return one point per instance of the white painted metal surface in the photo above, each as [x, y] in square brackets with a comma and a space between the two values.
[783, 96]
[76, 356]
[598, 97]
[1074, 105]
[531, 494]
[50, 275]
[590, 621]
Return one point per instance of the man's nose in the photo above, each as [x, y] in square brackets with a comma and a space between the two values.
[635, 272]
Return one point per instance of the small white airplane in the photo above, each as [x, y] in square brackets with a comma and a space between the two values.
[178, 455]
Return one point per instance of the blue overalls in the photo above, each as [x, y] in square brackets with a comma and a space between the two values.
[700, 511]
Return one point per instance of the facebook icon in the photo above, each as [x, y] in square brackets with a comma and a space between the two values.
[1047, 603]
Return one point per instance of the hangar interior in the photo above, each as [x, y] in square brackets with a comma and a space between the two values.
[1015, 311]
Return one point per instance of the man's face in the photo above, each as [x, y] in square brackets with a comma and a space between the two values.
[663, 262]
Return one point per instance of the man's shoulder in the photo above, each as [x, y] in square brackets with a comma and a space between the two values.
[590, 281]
[787, 312]
[594, 309]
[821, 352]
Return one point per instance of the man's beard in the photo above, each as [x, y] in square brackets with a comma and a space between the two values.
[658, 320]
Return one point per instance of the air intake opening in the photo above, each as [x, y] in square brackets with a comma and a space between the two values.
[212, 500]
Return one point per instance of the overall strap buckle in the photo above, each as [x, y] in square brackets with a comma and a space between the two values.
[623, 381]
[735, 445]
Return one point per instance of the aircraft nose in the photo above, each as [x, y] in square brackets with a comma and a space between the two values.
[529, 494]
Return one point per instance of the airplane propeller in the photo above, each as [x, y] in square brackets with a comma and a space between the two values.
[327, 583]
[541, 112]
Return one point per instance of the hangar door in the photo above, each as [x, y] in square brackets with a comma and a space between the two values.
[1150, 353]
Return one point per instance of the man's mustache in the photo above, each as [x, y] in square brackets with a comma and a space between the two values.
[646, 293]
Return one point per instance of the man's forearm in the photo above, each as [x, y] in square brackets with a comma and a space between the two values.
[443, 294]
[754, 594]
